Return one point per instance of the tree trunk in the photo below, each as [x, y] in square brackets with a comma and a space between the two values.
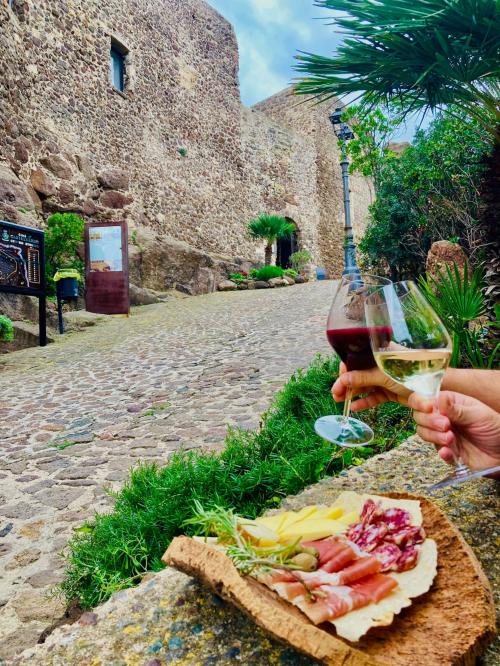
[268, 254]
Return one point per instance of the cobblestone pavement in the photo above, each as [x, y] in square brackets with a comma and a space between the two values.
[79, 413]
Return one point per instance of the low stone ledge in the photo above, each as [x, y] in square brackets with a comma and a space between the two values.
[170, 618]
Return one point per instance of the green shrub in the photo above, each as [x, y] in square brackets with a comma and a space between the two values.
[254, 472]
[291, 273]
[459, 301]
[267, 273]
[238, 277]
[63, 236]
[300, 259]
[6, 329]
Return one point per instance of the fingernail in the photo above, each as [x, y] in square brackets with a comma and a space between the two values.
[442, 424]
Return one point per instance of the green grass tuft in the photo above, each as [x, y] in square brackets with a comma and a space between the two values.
[254, 472]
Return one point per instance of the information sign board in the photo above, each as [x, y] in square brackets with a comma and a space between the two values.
[22, 259]
[106, 268]
[22, 267]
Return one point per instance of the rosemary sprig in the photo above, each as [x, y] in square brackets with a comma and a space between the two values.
[246, 556]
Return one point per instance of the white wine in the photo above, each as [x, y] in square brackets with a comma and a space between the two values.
[419, 370]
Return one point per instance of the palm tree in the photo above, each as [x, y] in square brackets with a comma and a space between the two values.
[270, 228]
[416, 55]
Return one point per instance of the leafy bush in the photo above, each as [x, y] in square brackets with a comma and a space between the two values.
[267, 273]
[63, 236]
[300, 259]
[6, 329]
[255, 471]
[459, 302]
[431, 192]
[291, 273]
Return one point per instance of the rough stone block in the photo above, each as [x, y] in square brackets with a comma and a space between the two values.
[114, 199]
[58, 166]
[114, 178]
[41, 183]
[142, 296]
[227, 285]
[277, 282]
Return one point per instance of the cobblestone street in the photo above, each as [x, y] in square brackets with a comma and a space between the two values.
[79, 413]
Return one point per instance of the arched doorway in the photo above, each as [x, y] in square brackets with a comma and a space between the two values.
[286, 247]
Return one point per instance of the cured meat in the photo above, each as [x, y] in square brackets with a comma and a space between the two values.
[332, 551]
[369, 537]
[360, 568]
[388, 555]
[396, 518]
[342, 555]
[331, 602]
[408, 558]
[376, 587]
[371, 512]
[407, 536]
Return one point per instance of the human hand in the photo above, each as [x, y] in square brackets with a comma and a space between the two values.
[459, 426]
[380, 388]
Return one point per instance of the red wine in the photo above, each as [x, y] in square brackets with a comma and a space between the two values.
[353, 345]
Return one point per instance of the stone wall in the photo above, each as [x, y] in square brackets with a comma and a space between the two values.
[176, 154]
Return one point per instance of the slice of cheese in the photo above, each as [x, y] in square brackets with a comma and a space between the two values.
[273, 522]
[329, 512]
[302, 515]
[310, 530]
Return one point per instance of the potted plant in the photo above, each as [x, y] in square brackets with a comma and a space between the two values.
[299, 261]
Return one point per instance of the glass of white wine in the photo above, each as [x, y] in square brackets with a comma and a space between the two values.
[414, 350]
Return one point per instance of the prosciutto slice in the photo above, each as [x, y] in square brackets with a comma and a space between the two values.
[328, 602]
[334, 553]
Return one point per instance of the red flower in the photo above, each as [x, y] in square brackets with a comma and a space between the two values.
[244, 273]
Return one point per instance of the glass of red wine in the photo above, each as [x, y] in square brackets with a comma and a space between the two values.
[349, 336]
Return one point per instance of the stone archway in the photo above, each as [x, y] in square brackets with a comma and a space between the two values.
[287, 246]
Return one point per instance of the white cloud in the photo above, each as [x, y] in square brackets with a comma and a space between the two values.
[257, 72]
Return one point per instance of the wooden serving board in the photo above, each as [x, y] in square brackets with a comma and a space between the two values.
[451, 625]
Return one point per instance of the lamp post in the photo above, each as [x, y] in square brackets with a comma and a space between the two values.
[344, 133]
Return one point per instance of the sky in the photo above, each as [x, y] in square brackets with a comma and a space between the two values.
[269, 33]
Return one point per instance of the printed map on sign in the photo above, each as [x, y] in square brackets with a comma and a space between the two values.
[105, 249]
[19, 258]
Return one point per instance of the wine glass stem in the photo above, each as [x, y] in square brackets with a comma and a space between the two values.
[347, 405]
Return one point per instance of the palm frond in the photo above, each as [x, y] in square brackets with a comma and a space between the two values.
[425, 54]
[270, 227]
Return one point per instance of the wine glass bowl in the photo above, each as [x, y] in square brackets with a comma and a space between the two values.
[410, 344]
[414, 350]
[349, 336]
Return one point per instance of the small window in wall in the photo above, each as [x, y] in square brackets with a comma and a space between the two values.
[118, 72]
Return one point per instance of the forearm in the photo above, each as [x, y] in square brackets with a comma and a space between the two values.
[484, 385]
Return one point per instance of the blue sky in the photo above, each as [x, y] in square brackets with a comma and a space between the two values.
[269, 33]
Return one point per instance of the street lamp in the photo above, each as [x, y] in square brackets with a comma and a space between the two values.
[344, 133]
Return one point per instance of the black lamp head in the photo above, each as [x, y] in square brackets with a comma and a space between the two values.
[336, 117]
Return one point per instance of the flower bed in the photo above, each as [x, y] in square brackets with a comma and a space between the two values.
[262, 278]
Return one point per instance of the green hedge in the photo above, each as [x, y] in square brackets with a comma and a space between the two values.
[254, 472]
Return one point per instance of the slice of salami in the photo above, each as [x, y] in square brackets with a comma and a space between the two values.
[370, 537]
[407, 536]
[408, 558]
[371, 512]
[396, 518]
[388, 555]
